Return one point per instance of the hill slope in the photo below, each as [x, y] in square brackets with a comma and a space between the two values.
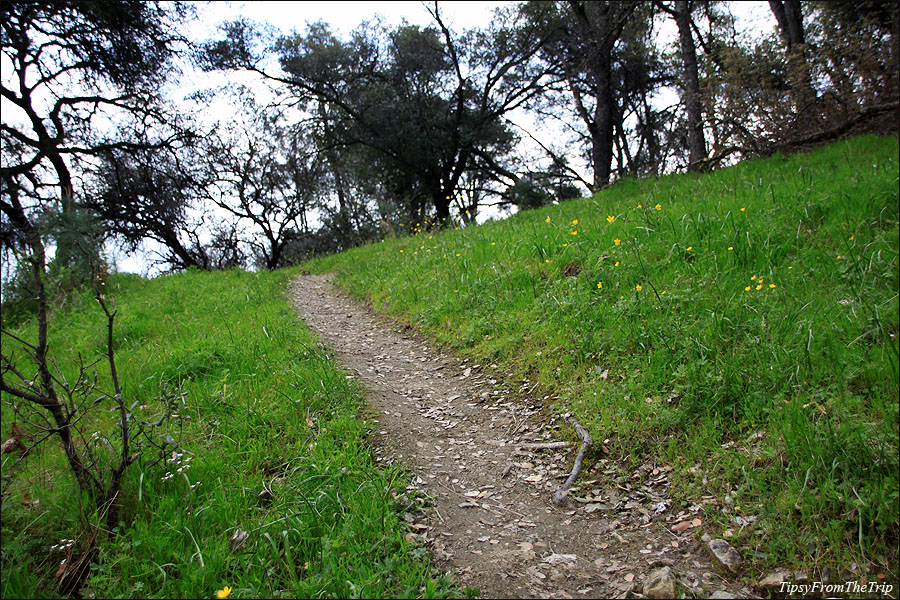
[270, 443]
[741, 324]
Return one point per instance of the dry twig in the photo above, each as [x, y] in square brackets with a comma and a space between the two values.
[559, 496]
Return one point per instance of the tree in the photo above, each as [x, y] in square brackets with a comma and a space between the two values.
[266, 176]
[681, 13]
[78, 67]
[425, 103]
[857, 51]
[580, 46]
[789, 15]
[638, 74]
[149, 194]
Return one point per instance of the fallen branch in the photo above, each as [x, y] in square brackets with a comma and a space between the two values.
[841, 129]
[559, 496]
[543, 445]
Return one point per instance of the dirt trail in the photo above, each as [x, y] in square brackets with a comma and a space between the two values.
[493, 524]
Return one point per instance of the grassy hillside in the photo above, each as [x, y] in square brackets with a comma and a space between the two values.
[255, 404]
[740, 325]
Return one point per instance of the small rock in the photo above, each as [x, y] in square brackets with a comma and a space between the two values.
[680, 527]
[660, 583]
[239, 539]
[560, 559]
[729, 558]
[722, 595]
[774, 580]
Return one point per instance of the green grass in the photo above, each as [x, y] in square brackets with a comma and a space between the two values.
[783, 398]
[259, 405]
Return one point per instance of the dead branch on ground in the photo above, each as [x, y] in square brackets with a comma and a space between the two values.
[559, 496]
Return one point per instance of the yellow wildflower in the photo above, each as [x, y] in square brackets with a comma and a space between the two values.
[617, 263]
[546, 260]
[753, 278]
[743, 209]
[839, 257]
[223, 593]
[610, 219]
[658, 207]
[731, 247]
[639, 206]
[851, 238]
[772, 285]
[617, 241]
[759, 287]
[574, 232]
[574, 221]
[747, 289]
[599, 285]
[457, 253]
[547, 220]
[689, 248]
[638, 287]
[493, 243]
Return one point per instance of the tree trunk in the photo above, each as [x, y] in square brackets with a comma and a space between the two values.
[343, 219]
[65, 246]
[63, 425]
[602, 140]
[696, 138]
[343, 216]
[894, 67]
[441, 208]
[790, 27]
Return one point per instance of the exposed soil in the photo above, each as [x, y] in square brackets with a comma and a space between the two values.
[492, 523]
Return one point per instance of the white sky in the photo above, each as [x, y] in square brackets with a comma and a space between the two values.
[343, 16]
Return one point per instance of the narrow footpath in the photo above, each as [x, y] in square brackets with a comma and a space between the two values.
[479, 452]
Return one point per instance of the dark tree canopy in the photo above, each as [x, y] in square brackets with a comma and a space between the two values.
[583, 46]
[424, 103]
[147, 195]
[80, 68]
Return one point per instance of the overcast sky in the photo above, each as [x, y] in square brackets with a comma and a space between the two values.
[343, 16]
